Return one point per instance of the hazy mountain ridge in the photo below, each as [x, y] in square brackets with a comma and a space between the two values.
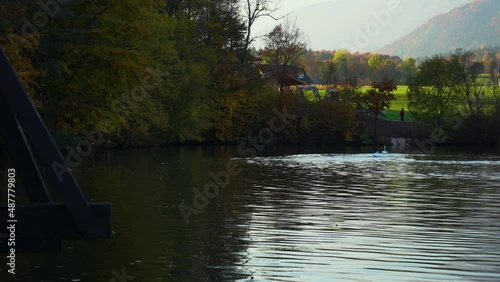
[333, 24]
[468, 26]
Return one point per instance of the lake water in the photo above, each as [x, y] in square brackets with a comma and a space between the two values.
[342, 215]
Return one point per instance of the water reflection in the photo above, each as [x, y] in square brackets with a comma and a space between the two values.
[300, 217]
[356, 217]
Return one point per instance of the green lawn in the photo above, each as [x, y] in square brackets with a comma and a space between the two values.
[401, 102]
[394, 115]
[396, 105]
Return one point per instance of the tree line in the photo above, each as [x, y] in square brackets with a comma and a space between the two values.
[345, 68]
[161, 72]
[451, 94]
[141, 72]
[338, 67]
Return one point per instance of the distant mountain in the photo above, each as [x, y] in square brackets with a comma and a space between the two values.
[468, 27]
[334, 24]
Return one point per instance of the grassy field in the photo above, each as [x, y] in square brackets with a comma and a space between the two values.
[396, 105]
[400, 102]
[393, 112]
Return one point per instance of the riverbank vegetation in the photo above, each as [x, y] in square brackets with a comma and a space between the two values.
[160, 72]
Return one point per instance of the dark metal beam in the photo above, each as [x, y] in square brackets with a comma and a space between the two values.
[21, 156]
[44, 148]
[49, 221]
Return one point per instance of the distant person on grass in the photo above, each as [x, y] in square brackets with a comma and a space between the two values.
[402, 114]
[382, 113]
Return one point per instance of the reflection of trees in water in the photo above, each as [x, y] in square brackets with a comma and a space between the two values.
[151, 239]
[213, 246]
[264, 207]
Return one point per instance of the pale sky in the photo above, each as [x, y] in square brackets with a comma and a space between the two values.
[335, 24]
[264, 25]
[291, 5]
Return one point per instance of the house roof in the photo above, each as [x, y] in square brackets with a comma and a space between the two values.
[287, 75]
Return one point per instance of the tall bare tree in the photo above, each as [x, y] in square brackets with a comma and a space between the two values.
[284, 46]
[468, 71]
[255, 9]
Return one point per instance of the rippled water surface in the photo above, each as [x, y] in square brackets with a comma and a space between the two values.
[292, 217]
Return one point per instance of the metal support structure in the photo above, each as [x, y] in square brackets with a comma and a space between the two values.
[27, 141]
[23, 158]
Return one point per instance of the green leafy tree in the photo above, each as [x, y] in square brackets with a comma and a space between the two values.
[329, 74]
[434, 90]
[408, 69]
[378, 98]
[209, 38]
[374, 64]
[103, 61]
[468, 72]
[331, 121]
[388, 68]
[346, 68]
[20, 47]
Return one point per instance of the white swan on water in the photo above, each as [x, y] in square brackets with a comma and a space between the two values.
[376, 154]
[384, 151]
